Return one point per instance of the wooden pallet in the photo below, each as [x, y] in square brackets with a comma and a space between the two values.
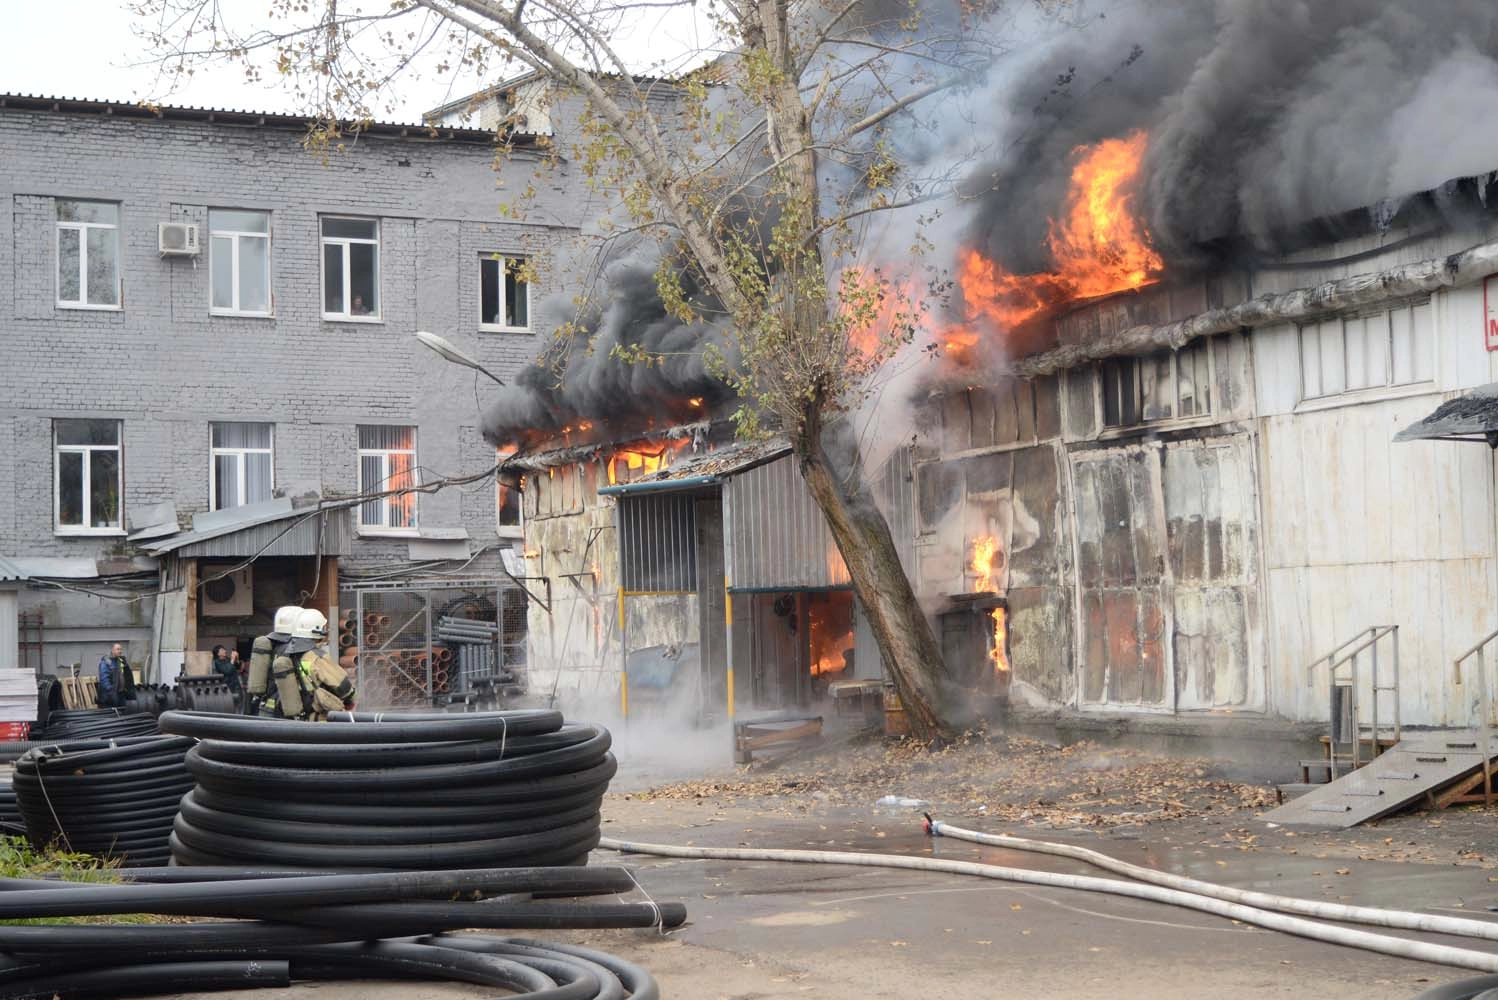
[80, 692]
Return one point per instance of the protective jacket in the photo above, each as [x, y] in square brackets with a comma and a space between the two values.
[116, 681]
[321, 686]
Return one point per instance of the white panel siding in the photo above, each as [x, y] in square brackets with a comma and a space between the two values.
[9, 649]
[1359, 531]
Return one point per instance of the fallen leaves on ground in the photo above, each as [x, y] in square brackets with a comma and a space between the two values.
[1008, 778]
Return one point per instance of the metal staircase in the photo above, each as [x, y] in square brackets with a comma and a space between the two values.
[1440, 767]
[1351, 723]
[1483, 726]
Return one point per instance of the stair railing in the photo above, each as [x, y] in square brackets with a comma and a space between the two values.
[1484, 705]
[1348, 654]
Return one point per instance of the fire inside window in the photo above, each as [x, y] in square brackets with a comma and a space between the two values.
[630, 464]
[1166, 386]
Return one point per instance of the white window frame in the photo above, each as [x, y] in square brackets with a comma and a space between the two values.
[504, 261]
[508, 530]
[384, 528]
[82, 229]
[239, 455]
[87, 450]
[344, 242]
[1390, 386]
[235, 236]
[1207, 415]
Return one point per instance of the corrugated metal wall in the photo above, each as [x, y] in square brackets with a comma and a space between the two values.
[778, 539]
[658, 542]
[274, 539]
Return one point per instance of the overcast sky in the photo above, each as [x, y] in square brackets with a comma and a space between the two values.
[87, 49]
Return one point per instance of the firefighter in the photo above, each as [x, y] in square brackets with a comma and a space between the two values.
[308, 684]
[263, 654]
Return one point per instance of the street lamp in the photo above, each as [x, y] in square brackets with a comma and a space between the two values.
[445, 348]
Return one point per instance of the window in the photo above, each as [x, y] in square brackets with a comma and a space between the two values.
[88, 472]
[504, 293]
[239, 261]
[1167, 386]
[88, 255]
[350, 269]
[1349, 353]
[387, 461]
[242, 466]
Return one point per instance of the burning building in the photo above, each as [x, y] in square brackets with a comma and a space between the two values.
[1148, 468]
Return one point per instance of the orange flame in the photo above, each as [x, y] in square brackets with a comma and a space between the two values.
[642, 460]
[985, 550]
[1098, 247]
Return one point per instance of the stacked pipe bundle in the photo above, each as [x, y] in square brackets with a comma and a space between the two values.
[112, 799]
[205, 694]
[94, 723]
[411, 791]
[279, 927]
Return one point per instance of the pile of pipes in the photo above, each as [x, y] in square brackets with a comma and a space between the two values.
[477, 644]
[391, 791]
[114, 798]
[210, 693]
[275, 928]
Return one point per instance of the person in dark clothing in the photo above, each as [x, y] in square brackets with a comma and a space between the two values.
[225, 667]
[116, 680]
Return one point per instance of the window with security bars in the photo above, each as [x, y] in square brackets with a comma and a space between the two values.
[243, 466]
[1350, 353]
[1170, 385]
[387, 464]
[89, 476]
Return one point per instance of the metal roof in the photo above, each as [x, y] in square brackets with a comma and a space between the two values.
[1473, 417]
[260, 529]
[9, 571]
[232, 116]
[690, 471]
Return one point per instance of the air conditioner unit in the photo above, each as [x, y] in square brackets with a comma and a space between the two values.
[177, 239]
[227, 596]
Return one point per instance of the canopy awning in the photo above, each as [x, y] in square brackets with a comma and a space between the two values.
[1473, 417]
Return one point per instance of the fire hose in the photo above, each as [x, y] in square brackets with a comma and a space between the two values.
[391, 791]
[112, 799]
[1381, 943]
[321, 926]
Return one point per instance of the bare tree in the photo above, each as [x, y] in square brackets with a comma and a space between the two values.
[763, 175]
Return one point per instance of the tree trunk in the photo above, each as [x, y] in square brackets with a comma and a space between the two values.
[900, 627]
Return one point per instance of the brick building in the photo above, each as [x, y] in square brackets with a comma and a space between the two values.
[167, 417]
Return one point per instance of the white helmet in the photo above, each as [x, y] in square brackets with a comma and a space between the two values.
[285, 623]
[311, 624]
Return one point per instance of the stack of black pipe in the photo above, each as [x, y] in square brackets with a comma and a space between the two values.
[279, 926]
[93, 723]
[409, 791]
[205, 694]
[112, 799]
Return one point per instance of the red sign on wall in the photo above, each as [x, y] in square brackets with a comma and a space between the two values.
[1490, 311]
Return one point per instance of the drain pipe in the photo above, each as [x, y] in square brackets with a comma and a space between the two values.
[1384, 944]
[1376, 916]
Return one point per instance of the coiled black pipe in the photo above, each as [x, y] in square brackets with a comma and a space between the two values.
[298, 936]
[114, 799]
[94, 723]
[1477, 988]
[12, 824]
[415, 791]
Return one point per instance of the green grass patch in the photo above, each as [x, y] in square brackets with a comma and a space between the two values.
[18, 859]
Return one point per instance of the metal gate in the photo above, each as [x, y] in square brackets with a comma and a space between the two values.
[434, 642]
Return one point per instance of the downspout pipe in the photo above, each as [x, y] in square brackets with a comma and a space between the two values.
[1383, 944]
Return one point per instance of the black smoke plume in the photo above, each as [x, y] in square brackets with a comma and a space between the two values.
[583, 379]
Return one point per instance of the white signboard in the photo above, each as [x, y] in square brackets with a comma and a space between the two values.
[1490, 311]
